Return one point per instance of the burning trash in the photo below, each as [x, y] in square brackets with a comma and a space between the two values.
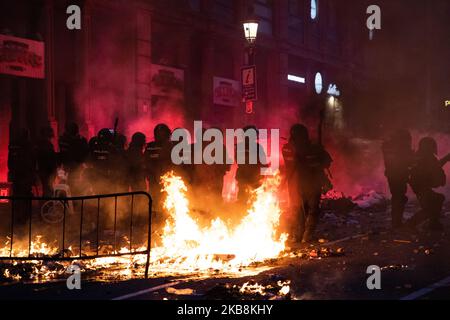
[251, 290]
[187, 247]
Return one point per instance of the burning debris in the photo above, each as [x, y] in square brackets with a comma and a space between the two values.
[186, 247]
[316, 253]
[251, 290]
[341, 204]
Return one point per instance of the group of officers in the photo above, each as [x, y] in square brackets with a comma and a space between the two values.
[105, 165]
[420, 169]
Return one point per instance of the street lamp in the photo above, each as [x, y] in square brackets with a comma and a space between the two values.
[249, 71]
[251, 31]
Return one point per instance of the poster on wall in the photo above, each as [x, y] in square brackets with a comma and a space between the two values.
[226, 92]
[22, 57]
[167, 81]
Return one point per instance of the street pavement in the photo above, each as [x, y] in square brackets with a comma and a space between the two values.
[415, 265]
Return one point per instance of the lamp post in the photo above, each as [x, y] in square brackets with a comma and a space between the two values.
[249, 71]
[251, 32]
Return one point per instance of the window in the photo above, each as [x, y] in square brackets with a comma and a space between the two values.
[263, 10]
[224, 11]
[314, 9]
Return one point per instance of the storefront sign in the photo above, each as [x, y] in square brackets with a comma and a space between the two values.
[226, 92]
[22, 57]
[166, 80]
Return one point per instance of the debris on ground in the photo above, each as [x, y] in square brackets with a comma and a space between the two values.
[335, 201]
[251, 290]
[371, 200]
[180, 292]
[317, 253]
[395, 267]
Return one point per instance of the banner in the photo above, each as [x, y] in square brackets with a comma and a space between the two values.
[166, 81]
[22, 57]
[226, 92]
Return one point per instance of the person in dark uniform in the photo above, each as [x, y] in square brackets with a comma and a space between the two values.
[426, 174]
[73, 152]
[398, 158]
[158, 161]
[305, 165]
[102, 162]
[207, 178]
[135, 163]
[248, 175]
[46, 161]
[21, 166]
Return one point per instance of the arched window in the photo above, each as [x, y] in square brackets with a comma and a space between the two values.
[314, 9]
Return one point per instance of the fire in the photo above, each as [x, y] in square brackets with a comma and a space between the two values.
[187, 247]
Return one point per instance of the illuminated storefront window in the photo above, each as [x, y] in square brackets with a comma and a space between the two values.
[314, 9]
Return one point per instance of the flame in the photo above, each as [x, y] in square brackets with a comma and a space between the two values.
[188, 247]
[185, 246]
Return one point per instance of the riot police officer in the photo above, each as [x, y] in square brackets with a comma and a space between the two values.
[46, 161]
[73, 152]
[248, 175]
[398, 158]
[427, 174]
[305, 164]
[135, 163]
[102, 157]
[158, 161]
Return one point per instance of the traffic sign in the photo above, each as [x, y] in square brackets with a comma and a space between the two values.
[249, 88]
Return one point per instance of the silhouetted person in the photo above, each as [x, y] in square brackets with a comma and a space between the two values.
[102, 161]
[21, 165]
[398, 159]
[158, 161]
[135, 163]
[46, 161]
[248, 175]
[427, 174]
[207, 177]
[73, 152]
[305, 164]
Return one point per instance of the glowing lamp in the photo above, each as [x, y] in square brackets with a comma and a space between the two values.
[251, 30]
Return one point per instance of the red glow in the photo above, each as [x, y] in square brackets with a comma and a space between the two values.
[4, 192]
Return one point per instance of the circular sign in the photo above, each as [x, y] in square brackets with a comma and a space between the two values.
[318, 83]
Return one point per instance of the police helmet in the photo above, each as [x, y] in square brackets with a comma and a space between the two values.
[161, 132]
[428, 145]
[299, 132]
[105, 135]
[138, 139]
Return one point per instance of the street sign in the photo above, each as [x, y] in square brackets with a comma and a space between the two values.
[249, 89]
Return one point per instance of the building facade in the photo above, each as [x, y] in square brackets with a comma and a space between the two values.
[180, 60]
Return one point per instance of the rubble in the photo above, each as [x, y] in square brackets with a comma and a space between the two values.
[251, 290]
[180, 292]
[371, 200]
